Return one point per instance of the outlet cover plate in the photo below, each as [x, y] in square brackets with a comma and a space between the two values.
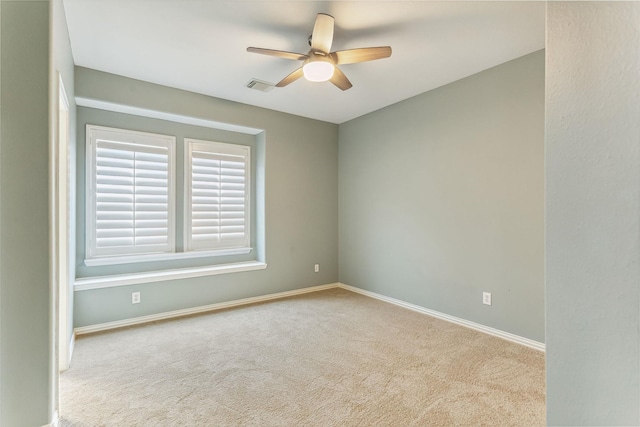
[486, 298]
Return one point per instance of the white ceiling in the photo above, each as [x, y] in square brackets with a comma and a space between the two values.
[200, 46]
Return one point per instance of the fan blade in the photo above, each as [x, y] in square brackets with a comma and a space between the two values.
[340, 80]
[278, 53]
[361, 55]
[290, 78]
[322, 35]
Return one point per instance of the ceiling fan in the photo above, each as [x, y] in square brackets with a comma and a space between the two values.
[320, 64]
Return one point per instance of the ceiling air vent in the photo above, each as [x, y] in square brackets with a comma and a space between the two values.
[260, 85]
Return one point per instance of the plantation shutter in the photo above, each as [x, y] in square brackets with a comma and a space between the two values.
[132, 197]
[218, 192]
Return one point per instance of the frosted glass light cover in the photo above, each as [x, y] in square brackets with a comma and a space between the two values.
[318, 71]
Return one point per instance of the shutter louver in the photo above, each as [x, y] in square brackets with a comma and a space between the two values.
[132, 198]
[219, 198]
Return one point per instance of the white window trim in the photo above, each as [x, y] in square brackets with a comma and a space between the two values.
[126, 136]
[224, 148]
[130, 259]
[88, 283]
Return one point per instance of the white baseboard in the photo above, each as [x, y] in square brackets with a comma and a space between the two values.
[219, 306]
[472, 325]
[54, 421]
[196, 310]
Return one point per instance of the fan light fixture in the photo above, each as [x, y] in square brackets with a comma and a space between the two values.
[320, 64]
[318, 71]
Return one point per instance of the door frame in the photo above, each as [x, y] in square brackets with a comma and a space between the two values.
[62, 206]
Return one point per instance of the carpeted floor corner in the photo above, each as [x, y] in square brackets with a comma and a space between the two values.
[330, 358]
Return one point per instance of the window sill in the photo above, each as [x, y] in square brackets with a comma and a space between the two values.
[167, 256]
[88, 283]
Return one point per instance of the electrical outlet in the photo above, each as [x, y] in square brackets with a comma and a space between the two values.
[316, 268]
[135, 297]
[486, 298]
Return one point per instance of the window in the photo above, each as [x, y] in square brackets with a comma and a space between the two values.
[130, 193]
[217, 197]
[133, 206]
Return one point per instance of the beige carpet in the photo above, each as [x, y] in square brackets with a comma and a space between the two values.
[331, 358]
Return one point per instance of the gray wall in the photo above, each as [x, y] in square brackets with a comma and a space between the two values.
[25, 310]
[593, 213]
[441, 198]
[301, 203]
